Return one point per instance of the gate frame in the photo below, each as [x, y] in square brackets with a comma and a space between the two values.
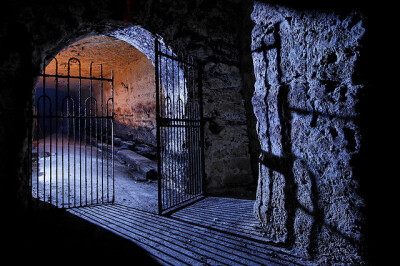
[82, 115]
[159, 121]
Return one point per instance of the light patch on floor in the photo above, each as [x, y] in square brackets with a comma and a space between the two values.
[174, 242]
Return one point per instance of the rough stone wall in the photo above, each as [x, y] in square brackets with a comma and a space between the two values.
[135, 106]
[305, 102]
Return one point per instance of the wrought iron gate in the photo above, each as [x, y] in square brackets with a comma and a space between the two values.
[180, 136]
[73, 149]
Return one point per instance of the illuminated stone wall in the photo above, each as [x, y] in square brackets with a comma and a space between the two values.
[305, 102]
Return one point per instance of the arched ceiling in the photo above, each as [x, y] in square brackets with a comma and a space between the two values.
[112, 53]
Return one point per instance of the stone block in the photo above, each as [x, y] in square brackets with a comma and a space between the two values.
[139, 163]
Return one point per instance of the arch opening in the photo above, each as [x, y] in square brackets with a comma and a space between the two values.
[94, 138]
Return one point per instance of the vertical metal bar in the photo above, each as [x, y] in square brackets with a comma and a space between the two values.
[190, 139]
[86, 141]
[196, 137]
[166, 89]
[79, 132]
[92, 104]
[167, 141]
[173, 138]
[50, 124]
[170, 152]
[186, 131]
[179, 150]
[198, 151]
[91, 95]
[74, 147]
[112, 136]
[187, 139]
[181, 130]
[44, 136]
[107, 155]
[74, 129]
[158, 121]
[200, 91]
[178, 177]
[97, 161]
[68, 151]
[68, 91]
[90, 131]
[195, 131]
[62, 157]
[164, 158]
[91, 149]
[101, 135]
[56, 86]
[51, 155]
[170, 188]
[97, 150]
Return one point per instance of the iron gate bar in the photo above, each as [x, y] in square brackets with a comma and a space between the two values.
[75, 77]
[71, 116]
[73, 123]
[180, 138]
[73, 113]
[176, 58]
[202, 160]
[157, 127]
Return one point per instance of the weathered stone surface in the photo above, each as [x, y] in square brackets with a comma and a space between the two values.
[106, 147]
[117, 142]
[145, 150]
[139, 163]
[304, 101]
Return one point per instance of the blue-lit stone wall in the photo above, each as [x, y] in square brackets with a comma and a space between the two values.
[305, 103]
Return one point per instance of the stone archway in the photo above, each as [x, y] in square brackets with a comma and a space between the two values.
[84, 175]
[133, 97]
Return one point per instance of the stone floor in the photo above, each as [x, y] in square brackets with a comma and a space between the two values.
[213, 239]
[226, 215]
